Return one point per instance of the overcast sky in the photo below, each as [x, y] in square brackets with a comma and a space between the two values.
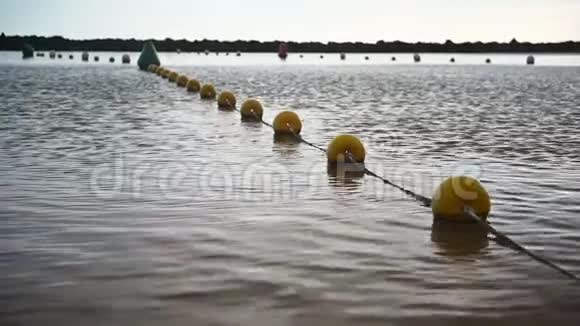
[298, 20]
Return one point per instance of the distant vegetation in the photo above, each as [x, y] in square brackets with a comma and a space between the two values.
[15, 43]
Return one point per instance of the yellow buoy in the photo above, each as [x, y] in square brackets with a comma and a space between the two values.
[207, 92]
[159, 70]
[226, 100]
[345, 148]
[287, 123]
[151, 68]
[173, 77]
[166, 73]
[252, 110]
[182, 80]
[193, 85]
[456, 193]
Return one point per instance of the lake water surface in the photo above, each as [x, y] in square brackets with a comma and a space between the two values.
[126, 200]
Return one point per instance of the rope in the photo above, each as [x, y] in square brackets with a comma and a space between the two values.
[424, 200]
[503, 239]
[304, 140]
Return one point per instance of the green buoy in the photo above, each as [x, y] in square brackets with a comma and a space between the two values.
[148, 56]
[27, 51]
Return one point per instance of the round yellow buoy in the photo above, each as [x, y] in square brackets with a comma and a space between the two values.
[287, 122]
[152, 68]
[455, 193]
[159, 70]
[166, 73]
[173, 77]
[226, 100]
[182, 80]
[207, 92]
[345, 148]
[193, 85]
[252, 110]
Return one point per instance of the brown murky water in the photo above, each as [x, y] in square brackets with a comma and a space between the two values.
[125, 200]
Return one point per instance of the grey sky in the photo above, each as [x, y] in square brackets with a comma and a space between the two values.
[300, 20]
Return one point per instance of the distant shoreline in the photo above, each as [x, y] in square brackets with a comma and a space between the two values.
[57, 43]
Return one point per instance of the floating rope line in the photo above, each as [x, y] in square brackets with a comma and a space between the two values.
[503, 239]
[424, 200]
[304, 140]
[500, 237]
[258, 118]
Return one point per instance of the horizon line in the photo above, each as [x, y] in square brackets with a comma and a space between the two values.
[447, 41]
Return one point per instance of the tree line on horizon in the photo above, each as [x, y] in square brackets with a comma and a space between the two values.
[58, 43]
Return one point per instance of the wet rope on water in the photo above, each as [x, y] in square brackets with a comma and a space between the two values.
[304, 140]
[424, 200]
[503, 239]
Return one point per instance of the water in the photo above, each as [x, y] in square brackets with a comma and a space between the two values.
[126, 200]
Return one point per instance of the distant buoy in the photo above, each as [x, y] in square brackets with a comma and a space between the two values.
[126, 59]
[321, 56]
[416, 57]
[287, 123]
[227, 54]
[238, 54]
[178, 51]
[40, 54]
[217, 53]
[173, 76]
[345, 148]
[27, 51]
[488, 60]
[283, 51]
[456, 193]
[301, 56]
[112, 59]
[367, 58]
[182, 81]
[207, 92]
[71, 56]
[193, 86]
[148, 56]
[96, 58]
[85, 56]
[226, 100]
[393, 59]
[59, 55]
[52, 54]
[252, 110]
[206, 52]
[530, 60]
[452, 60]
[342, 56]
